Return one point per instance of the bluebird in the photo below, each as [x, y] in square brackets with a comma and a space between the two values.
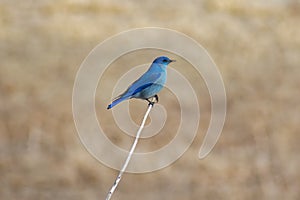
[148, 85]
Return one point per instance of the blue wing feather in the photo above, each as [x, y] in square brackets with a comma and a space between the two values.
[143, 82]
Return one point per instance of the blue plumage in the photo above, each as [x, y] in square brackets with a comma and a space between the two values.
[149, 84]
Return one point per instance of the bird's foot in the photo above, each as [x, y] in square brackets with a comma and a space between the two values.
[153, 100]
[151, 103]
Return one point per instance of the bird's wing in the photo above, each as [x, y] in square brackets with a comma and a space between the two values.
[143, 82]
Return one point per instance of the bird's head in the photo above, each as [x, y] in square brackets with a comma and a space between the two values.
[163, 60]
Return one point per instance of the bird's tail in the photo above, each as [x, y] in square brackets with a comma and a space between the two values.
[117, 101]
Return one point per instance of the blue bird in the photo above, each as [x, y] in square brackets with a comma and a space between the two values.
[148, 85]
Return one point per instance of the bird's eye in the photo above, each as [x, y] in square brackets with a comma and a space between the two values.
[165, 60]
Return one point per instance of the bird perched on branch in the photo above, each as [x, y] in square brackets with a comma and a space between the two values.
[148, 85]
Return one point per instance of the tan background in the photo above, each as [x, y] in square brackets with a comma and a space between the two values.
[256, 46]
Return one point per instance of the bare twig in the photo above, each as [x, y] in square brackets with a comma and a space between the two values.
[115, 185]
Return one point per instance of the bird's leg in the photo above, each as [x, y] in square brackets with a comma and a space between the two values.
[156, 98]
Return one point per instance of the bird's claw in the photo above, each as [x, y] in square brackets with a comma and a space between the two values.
[151, 103]
[153, 100]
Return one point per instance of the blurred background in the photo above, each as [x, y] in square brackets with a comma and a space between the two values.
[256, 46]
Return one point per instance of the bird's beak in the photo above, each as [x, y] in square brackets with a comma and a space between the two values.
[172, 60]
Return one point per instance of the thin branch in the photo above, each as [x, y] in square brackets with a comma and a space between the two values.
[115, 185]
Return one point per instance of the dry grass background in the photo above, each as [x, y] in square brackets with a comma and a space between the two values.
[256, 46]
